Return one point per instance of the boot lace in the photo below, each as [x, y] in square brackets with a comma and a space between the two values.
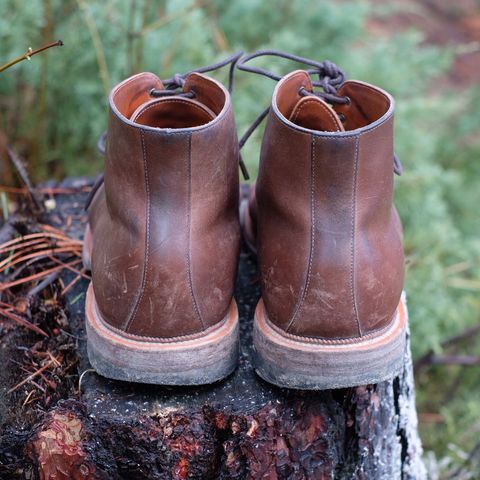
[330, 79]
[173, 88]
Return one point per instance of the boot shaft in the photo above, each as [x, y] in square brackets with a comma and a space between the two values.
[329, 238]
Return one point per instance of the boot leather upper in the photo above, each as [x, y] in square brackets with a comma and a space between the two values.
[165, 222]
[328, 236]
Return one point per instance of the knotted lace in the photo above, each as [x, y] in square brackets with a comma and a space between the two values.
[178, 80]
[330, 79]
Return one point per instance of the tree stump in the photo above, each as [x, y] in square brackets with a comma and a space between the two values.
[240, 428]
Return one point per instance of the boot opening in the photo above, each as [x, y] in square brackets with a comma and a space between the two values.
[366, 104]
[207, 91]
[305, 111]
[132, 100]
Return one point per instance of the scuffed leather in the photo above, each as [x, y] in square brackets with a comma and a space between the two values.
[329, 238]
[165, 224]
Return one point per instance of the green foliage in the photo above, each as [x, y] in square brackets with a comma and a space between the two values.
[54, 108]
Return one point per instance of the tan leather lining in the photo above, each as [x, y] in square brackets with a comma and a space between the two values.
[135, 91]
[207, 91]
[288, 96]
[173, 113]
[367, 104]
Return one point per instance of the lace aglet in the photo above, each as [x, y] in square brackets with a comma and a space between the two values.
[93, 191]
[397, 165]
[243, 168]
[102, 143]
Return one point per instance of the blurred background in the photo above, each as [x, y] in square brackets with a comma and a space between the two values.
[425, 52]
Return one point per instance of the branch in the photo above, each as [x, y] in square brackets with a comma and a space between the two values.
[22, 172]
[22, 321]
[426, 360]
[465, 360]
[29, 54]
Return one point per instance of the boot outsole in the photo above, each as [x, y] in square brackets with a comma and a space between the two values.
[311, 364]
[204, 359]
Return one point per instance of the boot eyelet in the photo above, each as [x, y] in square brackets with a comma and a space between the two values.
[303, 92]
[348, 101]
[342, 117]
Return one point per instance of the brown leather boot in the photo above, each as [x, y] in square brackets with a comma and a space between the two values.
[163, 235]
[329, 239]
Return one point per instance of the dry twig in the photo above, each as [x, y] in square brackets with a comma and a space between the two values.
[29, 54]
[22, 321]
[32, 376]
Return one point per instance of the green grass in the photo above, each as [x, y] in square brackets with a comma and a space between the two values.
[54, 108]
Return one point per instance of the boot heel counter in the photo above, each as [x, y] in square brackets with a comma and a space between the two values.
[327, 313]
[380, 280]
[213, 282]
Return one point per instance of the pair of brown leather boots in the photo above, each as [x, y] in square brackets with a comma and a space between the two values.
[163, 236]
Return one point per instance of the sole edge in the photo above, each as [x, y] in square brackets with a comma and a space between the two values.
[198, 361]
[289, 363]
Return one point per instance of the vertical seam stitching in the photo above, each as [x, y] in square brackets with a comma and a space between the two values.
[353, 238]
[147, 236]
[312, 235]
[189, 232]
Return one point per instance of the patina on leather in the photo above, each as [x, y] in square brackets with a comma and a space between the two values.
[328, 236]
[165, 221]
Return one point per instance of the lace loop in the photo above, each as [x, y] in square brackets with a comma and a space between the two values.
[178, 80]
[397, 165]
[173, 84]
[154, 92]
[330, 78]
[327, 96]
[102, 143]
[324, 70]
